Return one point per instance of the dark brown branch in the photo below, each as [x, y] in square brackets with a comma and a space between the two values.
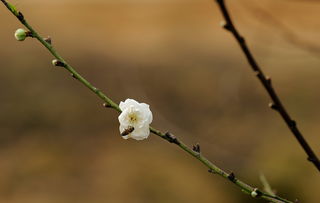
[276, 104]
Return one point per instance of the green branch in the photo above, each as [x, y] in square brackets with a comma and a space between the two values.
[195, 152]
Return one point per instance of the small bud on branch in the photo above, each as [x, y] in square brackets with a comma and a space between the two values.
[21, 34]
[256, 193]
[58, 63]
[171, 138]
[107, 105]
[48, 40]
[196, 148]
[225, 25]
[268, 78]
[231, 177]
[273, 106]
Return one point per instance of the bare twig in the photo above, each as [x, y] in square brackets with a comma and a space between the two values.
[59, 61]
[262, 15]
[266, 82]
[266, 186]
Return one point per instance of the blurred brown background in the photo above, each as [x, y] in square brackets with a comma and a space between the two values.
[58, 144]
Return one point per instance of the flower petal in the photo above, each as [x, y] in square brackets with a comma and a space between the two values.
[136, 115]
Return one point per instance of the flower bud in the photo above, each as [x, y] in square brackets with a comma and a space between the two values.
[48, 40]
[21, 34]
[255, 193]
[56, 62]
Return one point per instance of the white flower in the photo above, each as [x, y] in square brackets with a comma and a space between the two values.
[134, 119]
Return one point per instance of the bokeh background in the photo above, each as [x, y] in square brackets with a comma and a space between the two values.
[58, 144]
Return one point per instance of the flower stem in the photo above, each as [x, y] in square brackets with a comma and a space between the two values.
[167, 136]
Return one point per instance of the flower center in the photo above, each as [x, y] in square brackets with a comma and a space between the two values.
[133, 117]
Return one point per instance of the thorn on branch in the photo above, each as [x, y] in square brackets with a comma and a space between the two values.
[231, 177]
[171, 138]
[58, 63]
[196, 148]
[127, 131]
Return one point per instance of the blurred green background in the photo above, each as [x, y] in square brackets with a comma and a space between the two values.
[58, 144]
